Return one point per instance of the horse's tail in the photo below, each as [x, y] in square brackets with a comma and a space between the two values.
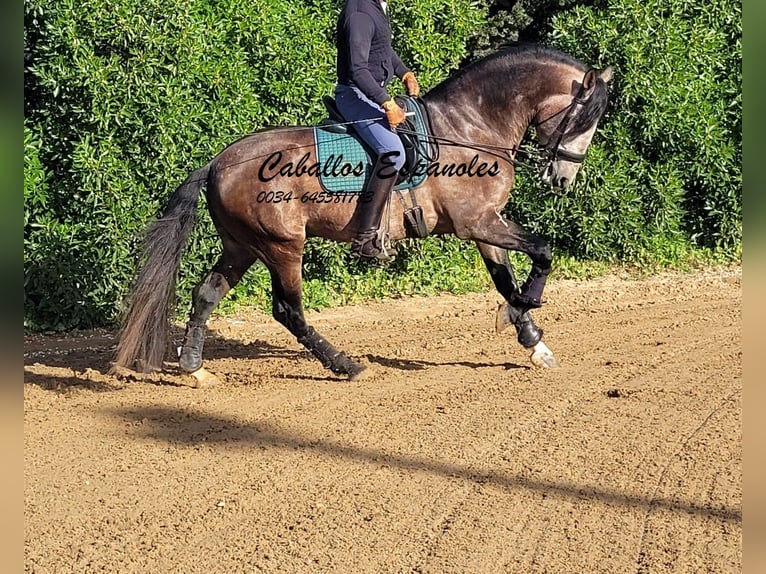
[146, 322]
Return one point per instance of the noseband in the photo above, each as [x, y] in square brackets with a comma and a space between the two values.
[554, 151]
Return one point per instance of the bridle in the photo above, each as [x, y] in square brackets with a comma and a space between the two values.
[555, 152]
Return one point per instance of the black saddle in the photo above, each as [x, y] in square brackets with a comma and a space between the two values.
[335, 122]
[417, 147]
[413, 144]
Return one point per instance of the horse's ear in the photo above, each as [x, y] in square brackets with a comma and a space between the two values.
[606, 74]
[589, 80]
[588, 83]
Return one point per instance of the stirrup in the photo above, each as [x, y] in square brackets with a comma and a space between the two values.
[367, 245]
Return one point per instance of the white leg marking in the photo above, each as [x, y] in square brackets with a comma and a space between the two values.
[543, 357]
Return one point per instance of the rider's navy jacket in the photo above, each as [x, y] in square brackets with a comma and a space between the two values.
[365, 56]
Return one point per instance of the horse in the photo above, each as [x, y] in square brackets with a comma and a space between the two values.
[478, 117]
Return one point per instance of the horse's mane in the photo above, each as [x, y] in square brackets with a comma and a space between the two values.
[518, 53]
[497, 65]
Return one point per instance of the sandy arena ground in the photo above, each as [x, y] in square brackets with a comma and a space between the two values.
[453, 455]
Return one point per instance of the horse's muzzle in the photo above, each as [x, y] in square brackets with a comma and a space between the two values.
[560, 174]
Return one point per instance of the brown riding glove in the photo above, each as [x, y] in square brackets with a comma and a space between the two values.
[411, 83]
[394, 114]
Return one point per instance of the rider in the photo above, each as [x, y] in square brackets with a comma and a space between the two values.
[366, 64]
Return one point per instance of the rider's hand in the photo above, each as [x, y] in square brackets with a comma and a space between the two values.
[411, 83]
[394, 114]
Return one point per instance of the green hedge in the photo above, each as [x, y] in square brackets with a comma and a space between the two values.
[123, 98]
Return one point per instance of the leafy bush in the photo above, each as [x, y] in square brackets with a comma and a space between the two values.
[509, 21]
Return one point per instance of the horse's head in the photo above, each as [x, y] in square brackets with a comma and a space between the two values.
[565, 123]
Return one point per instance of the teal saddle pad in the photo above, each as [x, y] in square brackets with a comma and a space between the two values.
[346, 163]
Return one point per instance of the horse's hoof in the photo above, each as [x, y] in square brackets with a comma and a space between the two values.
[190, 352]
[544, 360]
[190, 359]
[502, 318]
[204, 378]
[356, 372]
[341, 364]
[543, 357]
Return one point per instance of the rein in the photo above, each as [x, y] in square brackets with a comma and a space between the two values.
[504, 153]
[490, 149]
[554, 152]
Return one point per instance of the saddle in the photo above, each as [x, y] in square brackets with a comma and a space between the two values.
[338, 145]
[334, 132]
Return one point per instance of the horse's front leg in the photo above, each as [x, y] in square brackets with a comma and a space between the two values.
[494, 229]
[528, 334]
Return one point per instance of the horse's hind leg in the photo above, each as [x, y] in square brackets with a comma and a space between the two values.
[226, 273]
[529, 335]
[287, 308]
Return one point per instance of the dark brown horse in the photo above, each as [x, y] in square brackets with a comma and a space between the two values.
[478, 118]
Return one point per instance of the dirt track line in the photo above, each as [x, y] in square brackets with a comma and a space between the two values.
[641, 566]
[454, 499]
[452, 457]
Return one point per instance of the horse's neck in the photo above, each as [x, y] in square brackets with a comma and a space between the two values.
[469, 118]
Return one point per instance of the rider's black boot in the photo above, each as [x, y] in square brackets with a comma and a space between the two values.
[367, 243]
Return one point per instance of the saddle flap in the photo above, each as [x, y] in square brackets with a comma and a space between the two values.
[332, 126]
